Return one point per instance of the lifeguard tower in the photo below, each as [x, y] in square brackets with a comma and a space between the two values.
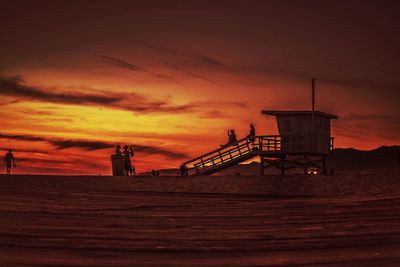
[304, 141]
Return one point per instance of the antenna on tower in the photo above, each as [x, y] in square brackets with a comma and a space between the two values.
[313, 105]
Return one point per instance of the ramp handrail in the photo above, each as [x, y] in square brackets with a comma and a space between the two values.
[220, 156]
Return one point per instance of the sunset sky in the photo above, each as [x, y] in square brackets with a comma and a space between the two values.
[170, 77]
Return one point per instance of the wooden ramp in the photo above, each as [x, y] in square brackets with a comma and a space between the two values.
[228, 156]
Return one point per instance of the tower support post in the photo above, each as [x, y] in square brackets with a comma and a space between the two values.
[324, 170]
[283, 167]
[262, 166]
[305, 165]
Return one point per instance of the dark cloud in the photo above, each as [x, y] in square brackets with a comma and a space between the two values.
[369, 126]
[24, 150]
[160, 151]
[194, 75]
[87, 145]
[350, 132]
[160, 106]
[362, 83]
[209, 60]
[161, 76]
[164, 77]
[239, 104]
[214, 114]
[221, 104]
[22, 137]
[395, 120]
[184, 56]
[95, 145]
[121, 64]
[14, 87]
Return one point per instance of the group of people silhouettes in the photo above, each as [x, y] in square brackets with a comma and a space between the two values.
[233, 140]
[127, 153]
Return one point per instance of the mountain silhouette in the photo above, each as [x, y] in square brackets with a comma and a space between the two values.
[384, 158]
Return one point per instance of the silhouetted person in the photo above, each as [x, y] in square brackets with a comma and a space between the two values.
[133, 170]
[183, 170]
[231, 138]
[252, 134]
[118, 150]
[127, 161]
[153, 172]
[8, 159]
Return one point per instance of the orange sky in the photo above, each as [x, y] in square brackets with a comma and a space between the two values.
[76, 79]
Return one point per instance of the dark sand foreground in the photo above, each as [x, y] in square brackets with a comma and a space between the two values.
[205, 221]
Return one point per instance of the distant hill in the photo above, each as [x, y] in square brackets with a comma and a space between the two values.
[349, 159]
[341, 160]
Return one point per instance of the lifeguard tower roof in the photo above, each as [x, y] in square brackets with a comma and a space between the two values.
[298, 112]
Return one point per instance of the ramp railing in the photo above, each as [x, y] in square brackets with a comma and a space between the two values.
[221, 156]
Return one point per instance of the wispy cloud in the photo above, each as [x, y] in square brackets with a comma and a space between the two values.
[86, 145]
[212, 103]
[164, 77]
[94, 145]
[192, 74]
[15, 87]
[24, 150]
[160, 151]
[21, 137]
[214, 114]
[193, 58]
[373, 117]
[369, 126]
[121, 63]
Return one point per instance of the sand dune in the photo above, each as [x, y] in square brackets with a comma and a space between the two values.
[202, 221]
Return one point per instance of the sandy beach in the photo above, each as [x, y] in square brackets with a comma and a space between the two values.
[340, 220]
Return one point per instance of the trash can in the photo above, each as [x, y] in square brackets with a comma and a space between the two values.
[117, 162]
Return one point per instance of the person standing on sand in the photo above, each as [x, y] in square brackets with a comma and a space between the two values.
[133, 170]
[127, 161]
[183, 170]
[8, 159]
[118, 150]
